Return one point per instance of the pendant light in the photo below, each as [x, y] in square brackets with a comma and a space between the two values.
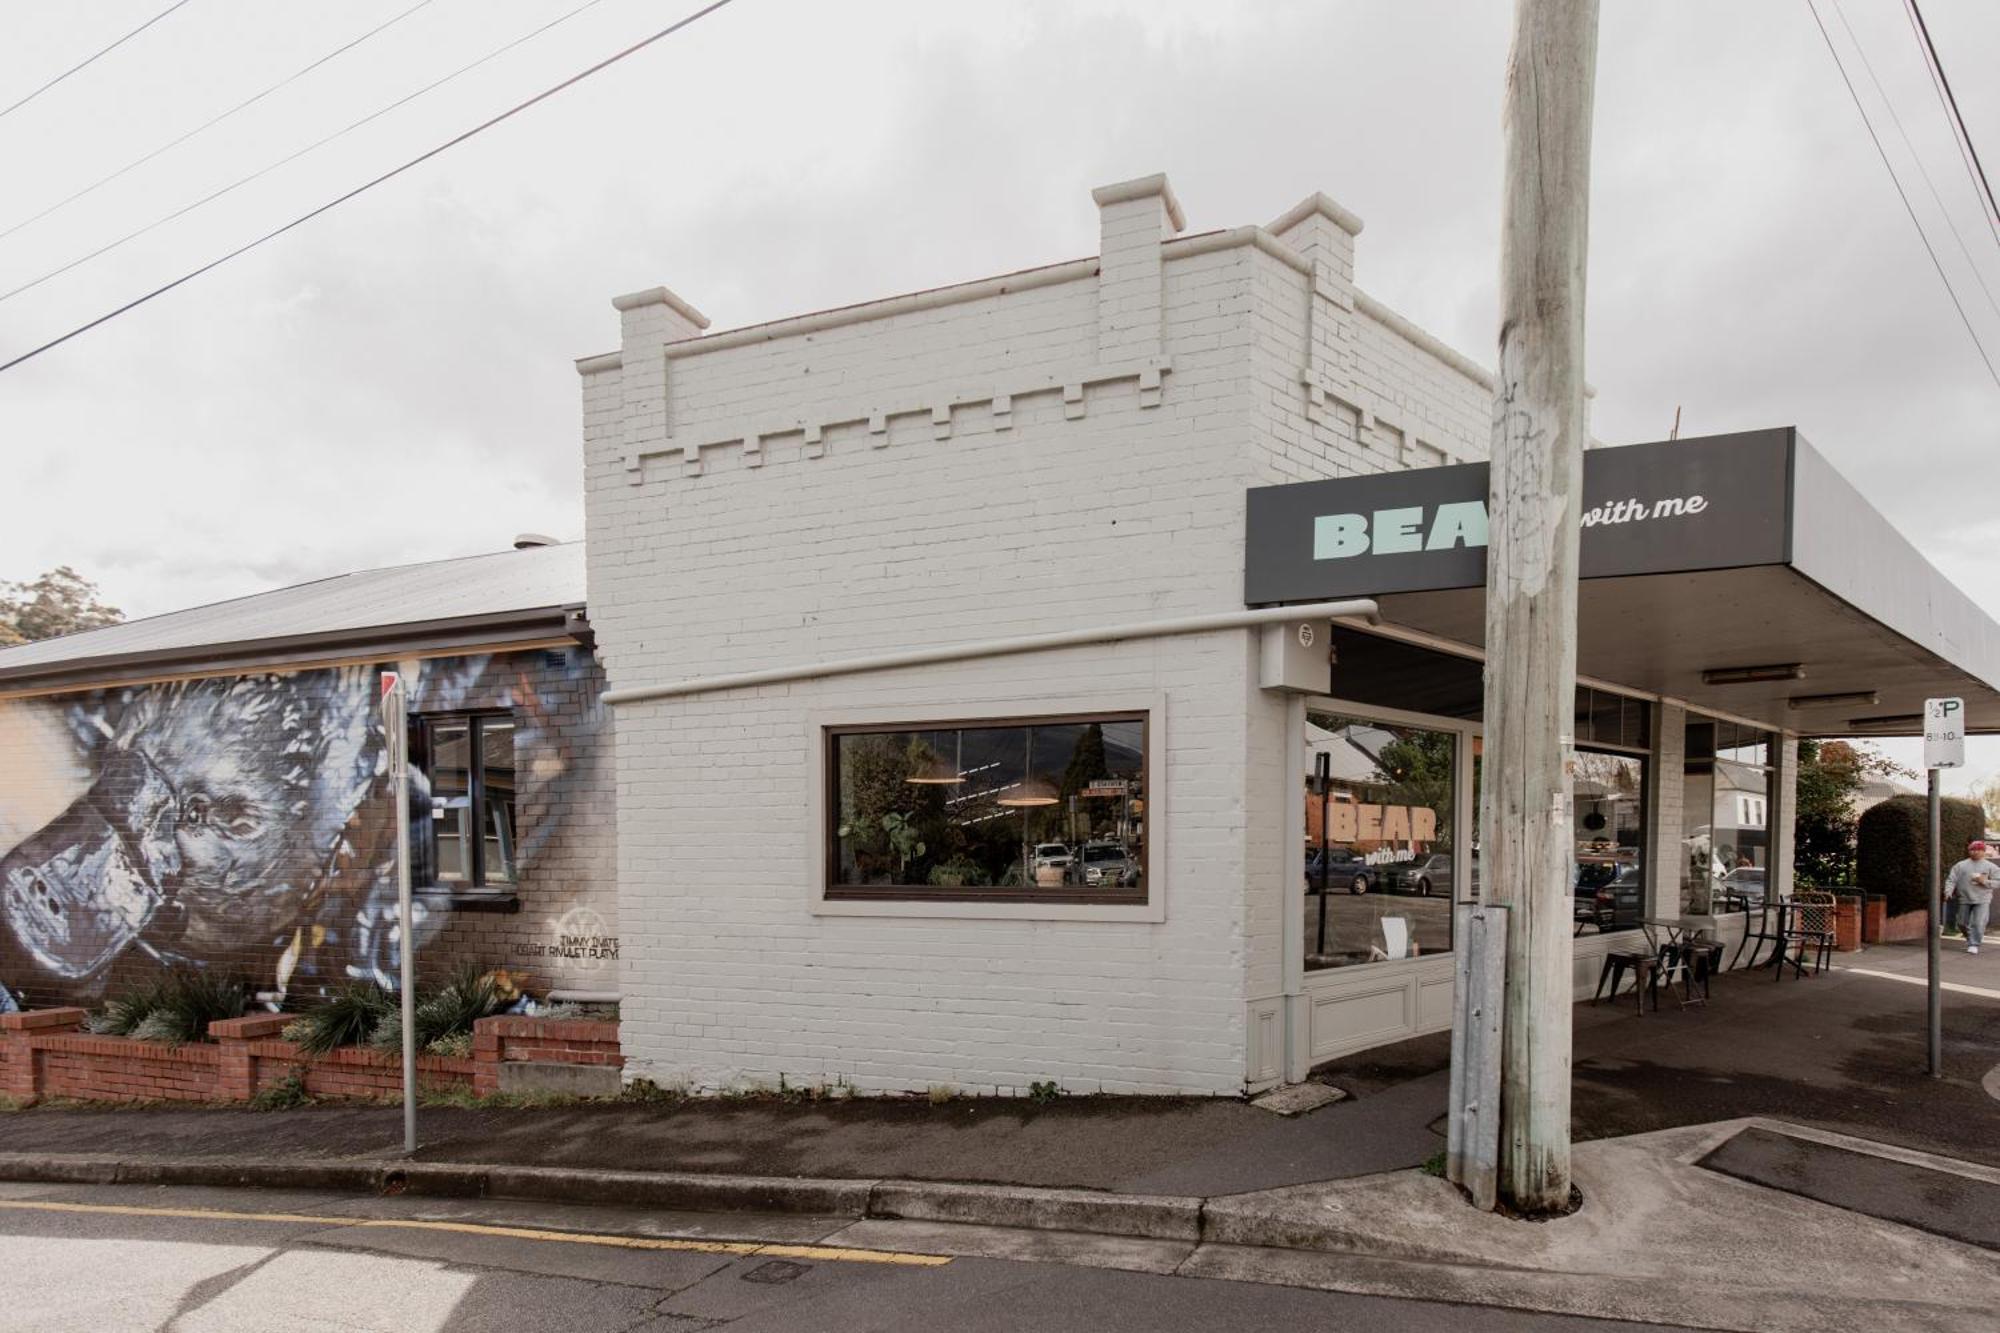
[1030, 791]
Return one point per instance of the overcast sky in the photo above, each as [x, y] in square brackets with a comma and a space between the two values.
[392, 382]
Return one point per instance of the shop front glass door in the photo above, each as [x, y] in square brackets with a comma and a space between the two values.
[1380, 817]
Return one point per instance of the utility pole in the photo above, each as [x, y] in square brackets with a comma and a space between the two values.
[1526, 841]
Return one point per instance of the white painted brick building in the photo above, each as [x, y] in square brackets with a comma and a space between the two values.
[1057, 449]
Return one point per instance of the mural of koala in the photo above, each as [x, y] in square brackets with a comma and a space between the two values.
[222, 811]
[245, 824]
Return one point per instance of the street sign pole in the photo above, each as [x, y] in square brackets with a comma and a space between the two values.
[1944, 747]
[396, 736]
[1934, 1003]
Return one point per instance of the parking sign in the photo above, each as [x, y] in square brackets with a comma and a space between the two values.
[1944, 733]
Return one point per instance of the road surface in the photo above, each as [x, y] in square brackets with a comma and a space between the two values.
[204, 1261]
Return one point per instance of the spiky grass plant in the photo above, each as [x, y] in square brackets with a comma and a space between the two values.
[190, 999]
[122, 1015]
[450, 1010]
[348, 1016]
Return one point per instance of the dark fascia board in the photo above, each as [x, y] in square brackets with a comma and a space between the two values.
[386, 642]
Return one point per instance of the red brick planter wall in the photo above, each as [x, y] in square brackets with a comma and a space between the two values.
[1905, 926]
[563, 1041]
[46, 1053]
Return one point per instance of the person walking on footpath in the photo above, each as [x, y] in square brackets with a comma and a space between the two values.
[1971, 884]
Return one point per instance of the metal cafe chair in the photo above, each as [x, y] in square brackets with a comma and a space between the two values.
[1761, 922]
[1808, 925]
[1645, 965]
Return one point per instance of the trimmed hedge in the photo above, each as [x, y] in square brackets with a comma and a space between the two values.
[1892, 846]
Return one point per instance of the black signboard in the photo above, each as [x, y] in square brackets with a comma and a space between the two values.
[1718, 502]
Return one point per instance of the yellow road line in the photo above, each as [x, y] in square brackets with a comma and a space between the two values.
[825, 1253]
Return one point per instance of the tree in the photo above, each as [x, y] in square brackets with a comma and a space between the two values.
[1988, 795]
[1893, 846]
[1830, 775]
[61, 601]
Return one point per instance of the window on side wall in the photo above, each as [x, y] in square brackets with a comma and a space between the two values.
[465, 839]
[1046, 809]
[1380, 825]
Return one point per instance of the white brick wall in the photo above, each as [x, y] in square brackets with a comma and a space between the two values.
[1059, 451]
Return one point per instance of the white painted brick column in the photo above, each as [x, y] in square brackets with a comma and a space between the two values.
[1666, 820]
[1135, 217]
[1783, 807]
[649, 320]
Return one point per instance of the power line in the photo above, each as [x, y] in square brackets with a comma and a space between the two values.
[213, 121]
[1950, 291]
[363, 188]
[293, 156]
[1951, 98]
[1961, 135]
[92, 59]
[1922, 170]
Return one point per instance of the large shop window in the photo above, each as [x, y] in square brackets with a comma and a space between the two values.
[466, 839]
[1727, 844]
[1035, 809]
[1609, 818]
[1379, 846]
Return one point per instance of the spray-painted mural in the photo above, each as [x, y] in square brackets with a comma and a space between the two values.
[245, 823]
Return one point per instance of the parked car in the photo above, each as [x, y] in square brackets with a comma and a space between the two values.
[1105, 865]
[1342, 869]
[1425, 875]
[1613, 902]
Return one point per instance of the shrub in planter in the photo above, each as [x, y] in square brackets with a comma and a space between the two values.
[175, 1009]
[1892, 846]
[470, 995]
[348, 1016]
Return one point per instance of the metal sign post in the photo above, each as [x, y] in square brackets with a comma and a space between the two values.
[1472, 1134]
[396, 737]
[1944, 747]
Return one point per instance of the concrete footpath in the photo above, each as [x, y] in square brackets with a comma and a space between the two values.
[1774, 1160]
[1661, 1238]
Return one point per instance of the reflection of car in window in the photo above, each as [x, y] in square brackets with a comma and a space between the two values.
[1745, 883]
[1051, 854]
[1106, 864]
[1425, 875]
[1613, 901]
[1341, 869]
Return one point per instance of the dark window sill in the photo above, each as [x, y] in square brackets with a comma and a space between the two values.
[445, 898]
[1041, 897]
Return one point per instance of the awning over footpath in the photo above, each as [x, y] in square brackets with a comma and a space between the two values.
[1738, 573]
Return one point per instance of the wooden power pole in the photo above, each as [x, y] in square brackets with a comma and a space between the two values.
[1526, 841]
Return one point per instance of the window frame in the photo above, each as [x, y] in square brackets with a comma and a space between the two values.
[476, 884]
[823, 898]
[1646, 850]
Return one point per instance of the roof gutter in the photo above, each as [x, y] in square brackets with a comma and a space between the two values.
[426, 638]
[1362, 607]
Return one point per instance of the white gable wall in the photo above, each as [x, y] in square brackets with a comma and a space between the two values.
[1059, 452]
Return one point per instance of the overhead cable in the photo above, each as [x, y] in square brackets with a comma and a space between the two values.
[295, 155]
[215, 120]
[11, 108]
[1923, 236]
[366, 186]
[1883, 93]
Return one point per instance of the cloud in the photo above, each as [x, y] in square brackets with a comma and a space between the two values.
[392, 382]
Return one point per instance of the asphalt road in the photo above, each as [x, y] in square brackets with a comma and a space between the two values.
[103, 1259]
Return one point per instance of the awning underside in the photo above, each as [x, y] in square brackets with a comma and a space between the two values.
[1659, 633]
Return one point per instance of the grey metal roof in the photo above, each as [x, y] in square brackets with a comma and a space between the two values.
[502, 595]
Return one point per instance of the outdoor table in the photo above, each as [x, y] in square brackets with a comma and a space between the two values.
[1685, 941]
